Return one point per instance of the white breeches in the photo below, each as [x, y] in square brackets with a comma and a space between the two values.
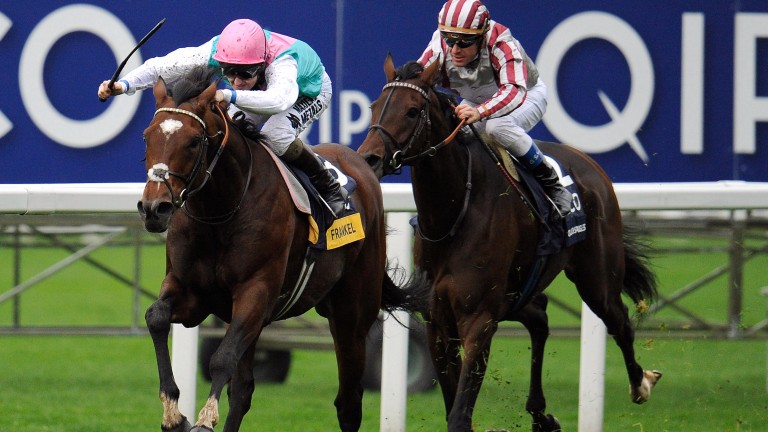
[511, 130]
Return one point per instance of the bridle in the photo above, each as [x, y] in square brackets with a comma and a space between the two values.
[398, 159]
[398, 156]
[161, 173]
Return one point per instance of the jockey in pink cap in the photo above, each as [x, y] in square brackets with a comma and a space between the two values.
[278, 82]
[503, 95]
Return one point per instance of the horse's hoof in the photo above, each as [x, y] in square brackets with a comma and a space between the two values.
[640, 395]
[201, 429]
[548, 423]
[184, 426]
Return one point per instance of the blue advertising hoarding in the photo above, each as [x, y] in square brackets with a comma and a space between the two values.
[655, 91]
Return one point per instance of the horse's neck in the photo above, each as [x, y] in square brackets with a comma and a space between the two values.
[440, 186]
[234, 172]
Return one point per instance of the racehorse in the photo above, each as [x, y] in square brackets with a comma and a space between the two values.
[237, 248]
[476, 241]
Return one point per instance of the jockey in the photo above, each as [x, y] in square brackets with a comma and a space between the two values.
[502, 92]
[278, 82]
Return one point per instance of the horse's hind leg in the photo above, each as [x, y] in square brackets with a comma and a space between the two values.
[351, 312]
[534, 318]
[640, 381]
[158, 318]
[600, 287]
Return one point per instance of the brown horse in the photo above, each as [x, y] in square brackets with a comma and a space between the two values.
[237, 248]
[476, 243]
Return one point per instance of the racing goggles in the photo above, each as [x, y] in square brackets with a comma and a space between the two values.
[244, 72]
[461, 40]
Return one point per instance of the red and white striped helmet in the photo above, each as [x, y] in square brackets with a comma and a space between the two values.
[463, 16]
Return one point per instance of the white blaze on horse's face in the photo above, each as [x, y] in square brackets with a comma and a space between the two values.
[170, 126]
[158, 173]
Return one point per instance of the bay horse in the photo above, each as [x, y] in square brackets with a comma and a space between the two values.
[476, 244]
[237, 248]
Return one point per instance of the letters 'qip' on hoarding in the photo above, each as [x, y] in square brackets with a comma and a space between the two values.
[656, 92]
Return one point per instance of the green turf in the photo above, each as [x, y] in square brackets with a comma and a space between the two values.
[110, 384]
[79, 383]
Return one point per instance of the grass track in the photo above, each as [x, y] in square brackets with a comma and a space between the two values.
[110, 383]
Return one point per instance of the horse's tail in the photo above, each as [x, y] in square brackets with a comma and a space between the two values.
[640, 282]
[410, 295]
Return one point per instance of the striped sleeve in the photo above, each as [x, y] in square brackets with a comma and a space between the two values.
[508, 62]
[434, 50]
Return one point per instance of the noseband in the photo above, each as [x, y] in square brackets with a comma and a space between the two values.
[161, 173]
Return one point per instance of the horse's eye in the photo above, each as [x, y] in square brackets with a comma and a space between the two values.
[413, 113]
[194, 142]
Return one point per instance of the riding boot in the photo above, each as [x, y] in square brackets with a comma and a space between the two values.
[549, 180]
[302, 157]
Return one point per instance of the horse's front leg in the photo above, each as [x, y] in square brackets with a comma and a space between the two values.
[240, 390]
[476, 333]
[158, 319]
[445, 350]
[248, 318]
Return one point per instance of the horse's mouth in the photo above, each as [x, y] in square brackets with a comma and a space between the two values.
[376, 163]
[155, 215]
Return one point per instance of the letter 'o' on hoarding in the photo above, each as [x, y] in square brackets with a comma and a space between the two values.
[62, 129]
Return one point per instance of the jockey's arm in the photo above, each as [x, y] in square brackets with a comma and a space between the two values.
[281, 92]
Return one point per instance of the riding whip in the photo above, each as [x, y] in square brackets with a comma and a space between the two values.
[141, 42]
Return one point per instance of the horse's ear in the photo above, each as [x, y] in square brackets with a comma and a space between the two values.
[389, 68]
[208, 94]
[161, 93]
[429, 76]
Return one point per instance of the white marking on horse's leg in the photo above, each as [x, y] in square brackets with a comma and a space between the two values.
[171, 414]
[209, 415]
[642, 393]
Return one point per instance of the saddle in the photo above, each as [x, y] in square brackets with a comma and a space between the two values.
[569, 230]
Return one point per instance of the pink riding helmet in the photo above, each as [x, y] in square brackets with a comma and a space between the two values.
[242, 42]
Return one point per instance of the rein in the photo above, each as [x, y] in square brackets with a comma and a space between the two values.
[161, 173]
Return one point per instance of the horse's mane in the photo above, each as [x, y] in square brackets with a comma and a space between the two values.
[192, 84]
[413, 69]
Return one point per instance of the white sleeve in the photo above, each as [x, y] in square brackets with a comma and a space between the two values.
[281, 92]
[171, 67]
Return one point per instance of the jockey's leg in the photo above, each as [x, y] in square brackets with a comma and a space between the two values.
[534, 161]
[506, 131]
[302, 157]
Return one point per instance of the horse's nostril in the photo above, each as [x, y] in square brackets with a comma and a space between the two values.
[164, 209]
[140, 207]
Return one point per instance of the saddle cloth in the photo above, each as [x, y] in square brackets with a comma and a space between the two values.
[569, 230]
[325, 232]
